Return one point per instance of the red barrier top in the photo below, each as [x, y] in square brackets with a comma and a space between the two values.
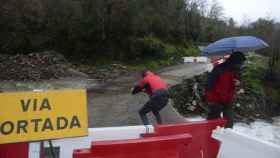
[184, 140]
[155, 147]
[203, 145]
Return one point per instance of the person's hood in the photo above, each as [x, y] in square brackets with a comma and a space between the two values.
[148, 73]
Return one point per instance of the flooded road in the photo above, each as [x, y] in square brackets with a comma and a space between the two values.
[113, 105]
[261, 129]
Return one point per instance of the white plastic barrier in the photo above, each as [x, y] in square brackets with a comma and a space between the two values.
[237, 145]
[67, 145]
[188, 59]
[201, 59]
[195, 59]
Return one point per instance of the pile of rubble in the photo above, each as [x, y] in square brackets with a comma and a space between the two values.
[33, 66]
[52, 65]
[188, 98]
[105, 72]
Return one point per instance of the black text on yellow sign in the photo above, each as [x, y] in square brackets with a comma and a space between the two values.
[33, 116]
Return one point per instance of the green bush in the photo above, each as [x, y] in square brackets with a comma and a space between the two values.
[190, 51]
[170, 51]
[150, 47]
[254, 73]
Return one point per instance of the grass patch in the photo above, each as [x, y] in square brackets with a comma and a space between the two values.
[151, 52]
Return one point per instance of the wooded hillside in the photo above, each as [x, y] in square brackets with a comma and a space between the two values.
[120, 29]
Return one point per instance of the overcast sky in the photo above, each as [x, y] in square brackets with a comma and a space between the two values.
[251, 9]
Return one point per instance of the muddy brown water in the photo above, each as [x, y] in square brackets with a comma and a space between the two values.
[113, 105]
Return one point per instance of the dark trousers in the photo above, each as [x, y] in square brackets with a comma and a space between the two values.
[215, 111]
[158, 101]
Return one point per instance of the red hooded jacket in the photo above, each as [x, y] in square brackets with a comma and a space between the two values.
[223, 88]
[153, 81]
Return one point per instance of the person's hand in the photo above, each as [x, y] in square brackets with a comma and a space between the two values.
[237, 82]
[136, 89]
[131, 89]
[241, 91]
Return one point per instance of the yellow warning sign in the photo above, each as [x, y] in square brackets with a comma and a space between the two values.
[33, 116]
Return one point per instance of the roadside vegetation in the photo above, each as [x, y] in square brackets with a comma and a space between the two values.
[254, 72]
[100, 31]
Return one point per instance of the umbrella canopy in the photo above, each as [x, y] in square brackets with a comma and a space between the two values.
[233, 44]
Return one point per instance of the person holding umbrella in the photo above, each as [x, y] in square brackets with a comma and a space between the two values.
[220, 87]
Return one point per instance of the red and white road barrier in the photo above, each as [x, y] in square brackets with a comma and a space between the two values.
[190, 139]
[67, 145]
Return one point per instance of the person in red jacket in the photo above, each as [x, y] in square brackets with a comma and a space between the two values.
[156, 88]
[220, 89]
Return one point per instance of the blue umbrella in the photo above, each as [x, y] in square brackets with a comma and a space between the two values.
[233, 44]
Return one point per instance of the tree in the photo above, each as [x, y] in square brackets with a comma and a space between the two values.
[216, 11]
[231, 27]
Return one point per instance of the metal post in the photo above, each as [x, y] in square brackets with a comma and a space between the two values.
[51, 149]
